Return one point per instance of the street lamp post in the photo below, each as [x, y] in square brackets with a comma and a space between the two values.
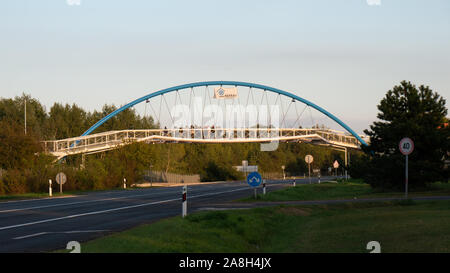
[25, 114]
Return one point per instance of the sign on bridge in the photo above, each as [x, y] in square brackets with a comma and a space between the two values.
[225, 93]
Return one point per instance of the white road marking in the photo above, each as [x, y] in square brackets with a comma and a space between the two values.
[39, 199]
[29, 236]
[111, 210]
[80, 202]
[58, 232]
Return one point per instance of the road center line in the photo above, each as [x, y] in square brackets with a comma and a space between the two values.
[75, 203]
[58, 232]
[80, 202]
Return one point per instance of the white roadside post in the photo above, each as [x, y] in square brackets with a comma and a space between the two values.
[406, 147]
[124, 183]
[50, 188]
[264, 187]
[294, 182]
[184, 202]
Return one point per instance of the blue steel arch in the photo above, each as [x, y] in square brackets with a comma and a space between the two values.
[233, 83]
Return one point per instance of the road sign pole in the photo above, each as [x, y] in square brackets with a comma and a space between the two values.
[50, 188]
[309, 159]
[184, 202]
[25, 114]
[59, 179]
[309, 173]
[255, 193]
[406, 177]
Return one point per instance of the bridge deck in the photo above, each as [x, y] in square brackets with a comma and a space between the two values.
[113, 139]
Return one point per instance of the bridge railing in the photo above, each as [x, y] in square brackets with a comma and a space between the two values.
[112, 138]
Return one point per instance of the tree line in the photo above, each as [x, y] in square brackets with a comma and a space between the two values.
[65, 120]
[405, 111]
[27, 168]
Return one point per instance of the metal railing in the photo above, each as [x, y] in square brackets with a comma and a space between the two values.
[112, 139]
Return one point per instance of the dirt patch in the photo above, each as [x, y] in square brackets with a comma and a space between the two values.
[294, 211]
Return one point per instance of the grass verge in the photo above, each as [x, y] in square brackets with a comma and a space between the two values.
[25, 196]
[398, 226]
[341, 190]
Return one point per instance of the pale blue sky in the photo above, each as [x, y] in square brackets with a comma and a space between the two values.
[341, 54]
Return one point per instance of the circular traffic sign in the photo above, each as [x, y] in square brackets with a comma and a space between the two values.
[406, 146]
[309, 159]
[254, 179]
[61, 178]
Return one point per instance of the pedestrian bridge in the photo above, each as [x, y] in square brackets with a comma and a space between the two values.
[105, 141]
[218, 112]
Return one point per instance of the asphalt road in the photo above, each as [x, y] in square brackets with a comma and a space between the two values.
[42, 225]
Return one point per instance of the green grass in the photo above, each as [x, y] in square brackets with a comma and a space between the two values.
[405, 226]
[26, 196]
[341, 190]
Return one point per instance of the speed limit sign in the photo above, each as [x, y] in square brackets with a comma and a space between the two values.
[406, 146]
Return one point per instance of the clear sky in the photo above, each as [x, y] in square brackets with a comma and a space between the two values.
[340, 54]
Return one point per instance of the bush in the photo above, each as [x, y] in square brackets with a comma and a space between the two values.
[15, 182]
[2, 187]
[215, 172]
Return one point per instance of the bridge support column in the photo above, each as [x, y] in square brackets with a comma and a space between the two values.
[346, 165]
[83, 161]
